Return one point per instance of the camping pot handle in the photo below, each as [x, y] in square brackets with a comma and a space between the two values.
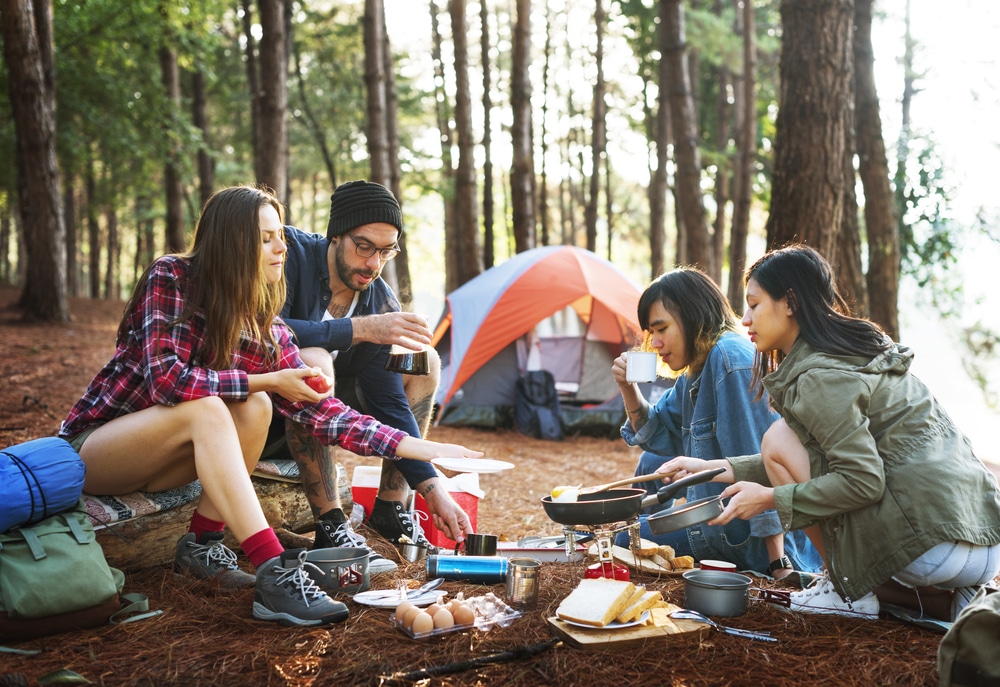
[773, 596]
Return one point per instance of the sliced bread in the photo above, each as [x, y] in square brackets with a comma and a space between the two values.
[596, 601]
[635, 610]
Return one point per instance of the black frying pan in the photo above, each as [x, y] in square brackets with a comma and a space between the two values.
[617, 505]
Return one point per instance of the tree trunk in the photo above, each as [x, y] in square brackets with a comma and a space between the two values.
[311, 122]
[377, 131]
[484, 52]
[69, 221]
[399, 269]
[522, 176]
[28, 49]
[847, 262]
[171, 178]
[253, 79]
[271, 154]
[443, 112]
[746, 152]
[816, 90]
[466, 220]
[93, 234]
[883, 238]
[111, 290]
[598, 143]
[543, 191]
[206, 164]
[658, 186]
[691, 208]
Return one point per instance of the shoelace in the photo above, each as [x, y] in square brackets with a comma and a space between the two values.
[300, 579]
[345, 535]
[214, 554]
[411, 522]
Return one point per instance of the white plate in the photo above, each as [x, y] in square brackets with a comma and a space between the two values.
[378, 598]
[480, 465]
[613, 625]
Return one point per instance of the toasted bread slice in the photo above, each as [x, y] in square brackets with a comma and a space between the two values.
[681, 563]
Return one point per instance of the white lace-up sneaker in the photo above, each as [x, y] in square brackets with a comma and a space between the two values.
[821, 597]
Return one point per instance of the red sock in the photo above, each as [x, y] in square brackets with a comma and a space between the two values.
[200, 525]
[262, 546]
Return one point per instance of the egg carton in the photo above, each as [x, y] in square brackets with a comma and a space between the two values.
[490, 611]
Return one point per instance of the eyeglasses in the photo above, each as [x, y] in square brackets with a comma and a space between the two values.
[367, 250]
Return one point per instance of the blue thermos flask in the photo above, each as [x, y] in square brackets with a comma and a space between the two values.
[482, 569]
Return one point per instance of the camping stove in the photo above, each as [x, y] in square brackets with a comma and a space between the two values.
[604, 536]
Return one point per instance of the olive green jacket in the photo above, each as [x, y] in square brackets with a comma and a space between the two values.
[892, 476]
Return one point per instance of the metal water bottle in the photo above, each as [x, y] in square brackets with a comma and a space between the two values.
[482, 569]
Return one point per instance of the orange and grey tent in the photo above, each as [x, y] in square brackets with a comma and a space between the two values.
[581, 308]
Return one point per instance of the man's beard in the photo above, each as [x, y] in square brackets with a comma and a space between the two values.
[346, 274]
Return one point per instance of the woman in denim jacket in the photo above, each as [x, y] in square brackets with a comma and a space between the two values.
[864, 458]
[709, 413]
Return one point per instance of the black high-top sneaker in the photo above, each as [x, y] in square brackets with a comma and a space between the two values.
[334, 532]
[395, 523]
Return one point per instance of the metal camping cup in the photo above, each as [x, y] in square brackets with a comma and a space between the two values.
[640, 366]
[340, 570]
[407, 362]
[479, 545]
[522, 582]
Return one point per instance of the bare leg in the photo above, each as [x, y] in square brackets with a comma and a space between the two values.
[317, 468]
[168, 446]
[787, 462]
[420, 391]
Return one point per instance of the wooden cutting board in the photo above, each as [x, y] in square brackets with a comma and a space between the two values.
[637, 635]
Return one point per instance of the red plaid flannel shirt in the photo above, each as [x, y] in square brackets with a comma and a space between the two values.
[157, 365]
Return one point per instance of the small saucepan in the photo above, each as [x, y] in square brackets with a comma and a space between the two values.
[687, 514]
[720, 593]
[617, 505]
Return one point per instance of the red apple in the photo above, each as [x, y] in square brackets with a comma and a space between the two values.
[320, 384]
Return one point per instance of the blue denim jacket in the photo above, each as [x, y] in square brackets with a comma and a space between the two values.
[714, 416]
[307, 280]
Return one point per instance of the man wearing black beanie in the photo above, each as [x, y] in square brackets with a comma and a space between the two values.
[346, 319]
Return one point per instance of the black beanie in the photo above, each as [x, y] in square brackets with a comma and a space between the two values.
[356, 203]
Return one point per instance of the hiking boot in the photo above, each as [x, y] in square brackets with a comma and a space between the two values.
[398, 525]
[821, 597]
[208, 558]
[333, 535]
[286, 594]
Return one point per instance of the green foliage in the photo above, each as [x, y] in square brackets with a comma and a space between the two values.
[928, 234]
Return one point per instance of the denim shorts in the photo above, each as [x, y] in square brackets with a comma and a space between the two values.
[952, 564]
[77, 441]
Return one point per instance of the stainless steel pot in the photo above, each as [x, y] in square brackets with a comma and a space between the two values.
[713, 592]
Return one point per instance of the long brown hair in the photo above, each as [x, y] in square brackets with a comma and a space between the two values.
[803, 275]
[226, 279]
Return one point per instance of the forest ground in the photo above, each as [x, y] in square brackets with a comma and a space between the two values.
[207, 637]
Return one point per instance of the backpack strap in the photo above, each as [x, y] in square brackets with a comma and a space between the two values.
[133, 603]
[33, 542]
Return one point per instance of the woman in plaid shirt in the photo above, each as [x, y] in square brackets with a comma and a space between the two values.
[201, 364]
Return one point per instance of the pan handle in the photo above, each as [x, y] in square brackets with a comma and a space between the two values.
[671, 490]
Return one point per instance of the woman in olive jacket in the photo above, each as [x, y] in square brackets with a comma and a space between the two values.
[864, 459]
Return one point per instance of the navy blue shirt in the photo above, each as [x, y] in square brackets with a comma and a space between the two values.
[307, 279]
